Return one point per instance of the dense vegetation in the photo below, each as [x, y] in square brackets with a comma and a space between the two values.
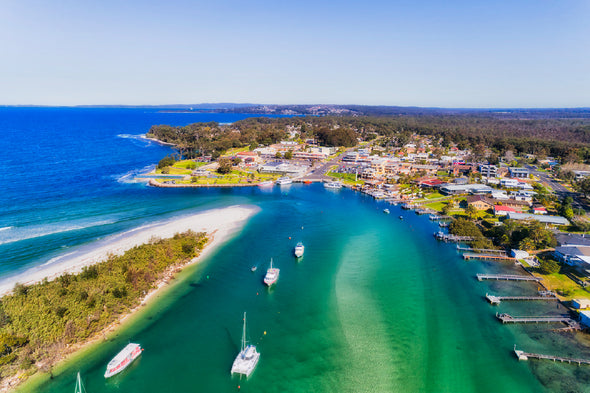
[523, 235]
[564, 138]
[38, 321]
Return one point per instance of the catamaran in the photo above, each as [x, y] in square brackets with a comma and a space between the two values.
[299, 249]
[79, 387]
[272, 275]
[123, 359]
[247, 359]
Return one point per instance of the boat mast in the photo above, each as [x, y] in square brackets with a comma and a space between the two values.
[244, 333]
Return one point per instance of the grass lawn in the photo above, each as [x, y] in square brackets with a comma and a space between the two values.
[561, 283]
[435, 195]
[438, 206]
[348, 178]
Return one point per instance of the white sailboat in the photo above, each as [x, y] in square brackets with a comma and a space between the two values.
[79, 387]
[247, 359]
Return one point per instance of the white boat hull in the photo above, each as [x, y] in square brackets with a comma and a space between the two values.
[123, 359]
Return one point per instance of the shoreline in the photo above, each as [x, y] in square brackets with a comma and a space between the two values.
[222, 220]
[172, 276]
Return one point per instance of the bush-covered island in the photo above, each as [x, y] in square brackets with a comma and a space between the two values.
[40, 322]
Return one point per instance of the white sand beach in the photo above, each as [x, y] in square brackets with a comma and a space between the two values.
[221, 223]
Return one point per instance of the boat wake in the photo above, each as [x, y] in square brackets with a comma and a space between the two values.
[5, 228]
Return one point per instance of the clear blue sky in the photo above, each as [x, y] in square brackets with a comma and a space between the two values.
[504, 53]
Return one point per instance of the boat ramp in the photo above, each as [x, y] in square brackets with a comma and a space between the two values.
[521, 355]
[507, 277]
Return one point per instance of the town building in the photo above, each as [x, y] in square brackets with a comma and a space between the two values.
[549, 220]
[488, 170]
[520, 173]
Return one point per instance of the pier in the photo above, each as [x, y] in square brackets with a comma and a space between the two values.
[507, 277]
[452, 238]
[482, 250]
[434, 217]
[521, 355]
[543, 295]
[487, 257]
[507, 318]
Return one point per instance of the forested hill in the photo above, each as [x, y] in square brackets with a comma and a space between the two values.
[565, 138]
[382, 110]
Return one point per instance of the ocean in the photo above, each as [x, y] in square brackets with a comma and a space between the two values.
[375, 305]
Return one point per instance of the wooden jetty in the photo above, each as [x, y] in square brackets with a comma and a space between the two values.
[487, 257]
[495, 300]
[507, 318]
[435, 217]
[507, 277]
[521, 355]
[482, 250]
[452, 238]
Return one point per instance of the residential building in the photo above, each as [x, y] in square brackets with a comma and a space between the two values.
[501, 210]
[480, 202]
[488, 170]
[521, 173]
[454, 189]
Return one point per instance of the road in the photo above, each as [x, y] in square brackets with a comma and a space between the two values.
[319, 173]
[559, 189]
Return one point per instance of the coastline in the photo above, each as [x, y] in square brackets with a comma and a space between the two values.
[222, 220]
[157, 141]
[220, 231]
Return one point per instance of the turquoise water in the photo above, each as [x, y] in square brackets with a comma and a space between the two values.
[375, 305]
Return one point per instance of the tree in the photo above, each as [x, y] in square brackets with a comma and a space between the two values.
[548, 266]
[166, 161]
[584, 186]
[225, 165]
[278, 155]
[288, 155]
[471, 211]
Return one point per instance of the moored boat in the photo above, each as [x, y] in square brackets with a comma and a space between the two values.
[333, 184]
[253, 268]
[386, 211]
[299, 250]
[247, 359]
[268, 183]
[123, 359]
[272, 275]
[282, 181]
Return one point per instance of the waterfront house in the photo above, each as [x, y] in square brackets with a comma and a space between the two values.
[585, 318]
[581, 304]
